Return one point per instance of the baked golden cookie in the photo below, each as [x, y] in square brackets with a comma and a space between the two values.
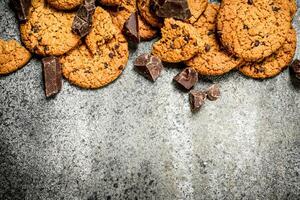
[65, 4]
[180, 42]
[110, 2]
[276, 63]
[13, 56]
[146, 31]
[89, 71]
[197, 7]
[144, 7]
[253, 29]
[48, 31]
[212, 60]
[102, 30]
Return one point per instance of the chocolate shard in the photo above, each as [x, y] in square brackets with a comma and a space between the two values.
[295, 67]
[22, 8]
[187, 78]
[178, 9]
[213, 92]
[131, 28]
[52, 75]
[197, 99]
[149, 66]
[82, 23]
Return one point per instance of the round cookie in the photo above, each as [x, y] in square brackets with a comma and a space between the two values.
[144, 6]
[13, 56]
[102, 30]
[89, 71]
[197, 7]
[274, 64]
[48, 31]
[146, 31]
[253, 30]
[180, 42]
[65, 4]
[213, 60]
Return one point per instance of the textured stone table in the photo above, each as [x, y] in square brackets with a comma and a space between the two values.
[138, 140]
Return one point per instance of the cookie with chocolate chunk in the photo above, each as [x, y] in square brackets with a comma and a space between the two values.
[180, 42]
[65, 4]
[253, 29]
[276, 63]
[212, 60]
[102, 30]
[13, 56]
[91, 71]
[48, 31]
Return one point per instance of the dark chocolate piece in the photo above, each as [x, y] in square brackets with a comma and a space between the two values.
[178, 9]
[82, 23]
[187, 78]
[131, 28]
[295, 66]
[213, 92]
[52, 75]
[197, 99]
[22, 8]
[149, 66]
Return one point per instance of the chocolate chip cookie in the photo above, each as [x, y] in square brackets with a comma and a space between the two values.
[13, 56]
[253, 29]
[213, 60]
[274, 64]
[65, 4]
[146, 31]
[102, 30]
[92, 71]
[48, 31]
[180, 42]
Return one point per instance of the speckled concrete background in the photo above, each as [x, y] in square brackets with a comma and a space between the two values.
[138, 140]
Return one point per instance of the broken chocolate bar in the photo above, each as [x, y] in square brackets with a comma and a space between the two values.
[295, 67]
[213, 92]
[131, 28]
[22, 8]
[82, 23]
[178, 9]
[149, 66]
[52, 75]
[197, 99]
[187, 78]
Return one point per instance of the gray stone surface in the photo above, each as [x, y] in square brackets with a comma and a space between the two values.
[138, 140]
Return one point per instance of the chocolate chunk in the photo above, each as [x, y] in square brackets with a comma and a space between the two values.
[250, 2]
[131, 28]
[52, 76]
[178, 9]
[22, 8]
[207, 47]
[187, 78]
[149, 66]
[256, 43]
[213, 92]
[295, 67]
[82, 23]
[197, 99]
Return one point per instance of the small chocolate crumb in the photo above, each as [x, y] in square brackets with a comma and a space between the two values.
[197, 99]
[256, 43]
[295, 67]
[246, 27]
[213, 92]
[174, 26]
[187, 78]
[52, 75]
[111, 54]
[250, 2]
[207, 47]
[275, 9]
[149, 66]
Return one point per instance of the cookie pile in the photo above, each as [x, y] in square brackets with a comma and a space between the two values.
[87, 42]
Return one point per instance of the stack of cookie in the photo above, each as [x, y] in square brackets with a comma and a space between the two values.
[254, 36]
